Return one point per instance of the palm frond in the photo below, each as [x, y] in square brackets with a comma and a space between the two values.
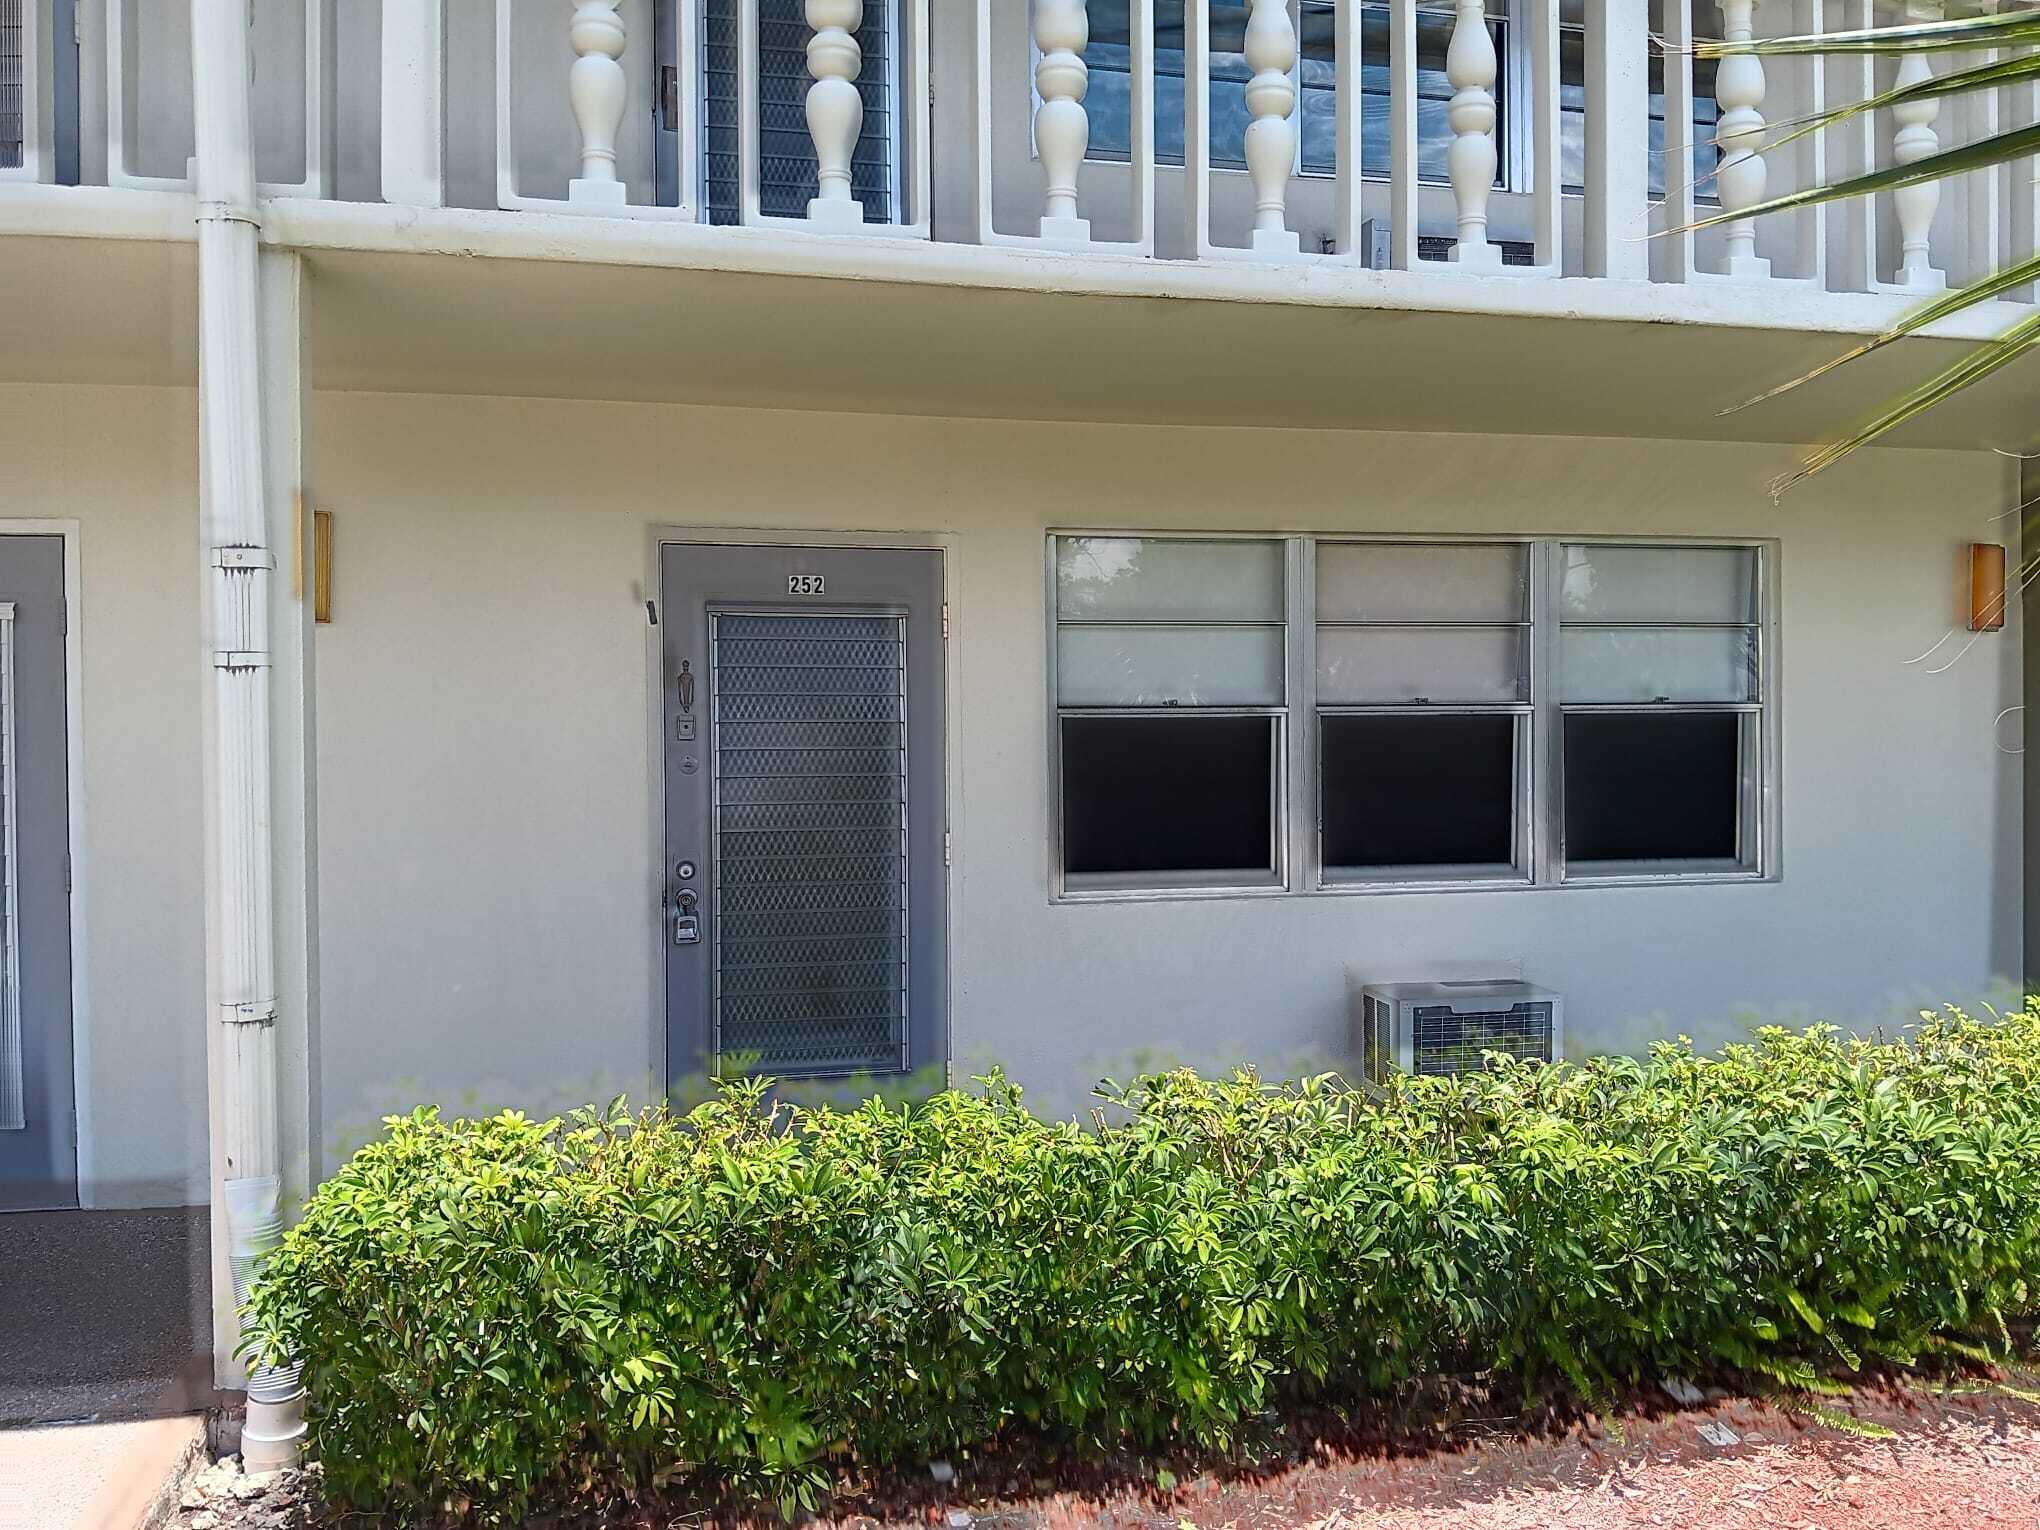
[2007, 29]
[2015, 35]
[1995, 75]
[1996, 149]
[2021, 340]
[1995, 285]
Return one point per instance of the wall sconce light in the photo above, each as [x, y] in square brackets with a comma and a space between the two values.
[322, 565]
[1986, 587]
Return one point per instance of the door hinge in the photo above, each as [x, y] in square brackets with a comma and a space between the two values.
[669, 97]
[945, 847]
[945, 621]
[67, 875]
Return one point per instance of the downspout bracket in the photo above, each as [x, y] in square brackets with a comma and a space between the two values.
[243, 557]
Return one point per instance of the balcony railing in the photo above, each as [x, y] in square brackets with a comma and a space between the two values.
[1535, 139]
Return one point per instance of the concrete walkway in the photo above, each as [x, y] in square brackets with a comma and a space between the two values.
[104, 1315]
[94, 1476]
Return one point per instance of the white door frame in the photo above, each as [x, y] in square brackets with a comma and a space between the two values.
[74, 772]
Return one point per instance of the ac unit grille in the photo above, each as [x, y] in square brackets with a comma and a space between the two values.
[1515, 252]
[1443, 1041]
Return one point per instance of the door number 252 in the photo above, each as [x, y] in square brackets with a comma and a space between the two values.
[804, 584]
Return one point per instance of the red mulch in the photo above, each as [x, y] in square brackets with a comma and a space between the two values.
[1960, 1454]
[1965, 1458]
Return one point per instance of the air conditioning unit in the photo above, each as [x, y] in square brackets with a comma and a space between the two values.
[1444, 1028]
[1435, 247]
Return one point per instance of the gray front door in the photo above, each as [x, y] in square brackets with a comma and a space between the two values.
[804, 923]
[38, 1133]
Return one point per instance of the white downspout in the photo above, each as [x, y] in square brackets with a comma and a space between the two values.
[239, 569]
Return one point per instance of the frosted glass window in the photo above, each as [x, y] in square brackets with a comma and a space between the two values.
[1371, 666]
[1169, 666]
[1419, 582]
[1659, 664]
[1662, 585]
[1167, 579]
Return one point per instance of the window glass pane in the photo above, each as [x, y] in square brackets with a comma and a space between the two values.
[1653, 786]
[1169, 666]
[1668, 585]
[1418, 791]
[1572, 96]
[1166, 579]
[1168, 794]
[1109, 56]
[1359, 666]
[1413, 582]
[1658, 664]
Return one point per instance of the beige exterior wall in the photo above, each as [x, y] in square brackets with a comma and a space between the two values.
[123, 464]
[489, 884]
[487, 777]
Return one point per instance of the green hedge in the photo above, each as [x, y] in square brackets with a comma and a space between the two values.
[495, 1311]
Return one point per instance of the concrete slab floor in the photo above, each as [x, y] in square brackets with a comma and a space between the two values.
[104, 1315]
[93, 1476]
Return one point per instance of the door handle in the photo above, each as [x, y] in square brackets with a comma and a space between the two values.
[686, 918]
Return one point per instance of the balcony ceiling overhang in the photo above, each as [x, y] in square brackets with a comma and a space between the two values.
[1023, 338]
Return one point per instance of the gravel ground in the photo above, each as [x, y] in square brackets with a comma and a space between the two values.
[1960, 1458]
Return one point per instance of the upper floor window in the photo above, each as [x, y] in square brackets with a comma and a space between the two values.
[1110, 56]
[1436, 713]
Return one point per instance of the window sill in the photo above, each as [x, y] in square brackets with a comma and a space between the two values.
[1425, 879]
[1634, 875]
[1148, 892]
[1097, 887]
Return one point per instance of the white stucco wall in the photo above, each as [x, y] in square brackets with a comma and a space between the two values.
[123, 464]
[487, 870]
[488, 877]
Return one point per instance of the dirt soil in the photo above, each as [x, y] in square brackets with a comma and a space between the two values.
[1964, 1456]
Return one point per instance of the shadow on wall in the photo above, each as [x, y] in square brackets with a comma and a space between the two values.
[1075, 1095]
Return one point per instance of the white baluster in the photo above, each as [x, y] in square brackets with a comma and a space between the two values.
[1271, 136]
[1739, 90]
[1062, 127]
[596, 88]
[1915, 140]
[1471, 66]
[835, 111]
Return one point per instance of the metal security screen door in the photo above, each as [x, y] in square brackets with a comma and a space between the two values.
[803, 916]
[38, 1147]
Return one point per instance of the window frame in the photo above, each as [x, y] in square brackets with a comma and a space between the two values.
[1522, 869]
[1756, 806]
[1539, 786]
[1092, 886]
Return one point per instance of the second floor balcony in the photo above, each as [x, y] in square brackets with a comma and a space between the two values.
[1526, 158]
